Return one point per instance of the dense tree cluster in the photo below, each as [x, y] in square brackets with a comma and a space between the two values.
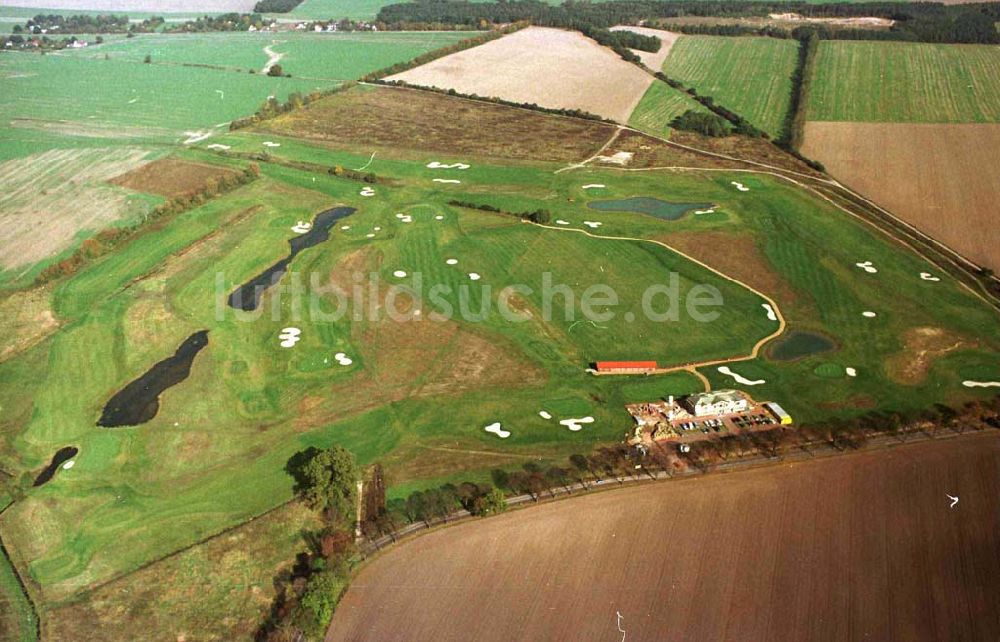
[541, 215]
[223, 22]
[83, 23]
[275, 6]
[701, 123]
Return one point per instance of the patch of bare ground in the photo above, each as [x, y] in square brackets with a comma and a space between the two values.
[862, 546]
[26, 319]
[921, 348]
[171, 177]
[394, 118]
[48, 199]
[650, 152]
[744, 147]
[940, 178]
[553, 68]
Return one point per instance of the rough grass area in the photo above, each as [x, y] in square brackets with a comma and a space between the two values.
[171, 177]
[751, 76]
[906, 82]
[18, 622]
[659, 106]
[393, 118]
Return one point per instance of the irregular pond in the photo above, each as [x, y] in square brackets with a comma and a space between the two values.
[139, 401]
[247, 296]
[648, 205]
[62, 456]
[797, 344]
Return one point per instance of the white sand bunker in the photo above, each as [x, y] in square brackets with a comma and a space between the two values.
[301, 227]
[452, 261]
[867, 267]
[404, 218]
[927, 276]
[367, 191]
[740, 186]
[343, 359]
[196, 137]
[594, 186]
[289, 337]
[577, 424]
[740, 378]
[851, 372]
[437, 165]
[377, 228]
[446, 180]
[559, 221]
[474, 276]
[131, 102]
[370, 235]
[544, 415]
[438, 218]
[770, 311]
[69, 464]
[219, 146]
[981, 384]
[268, 143]
[399, 274]
[592, 224]
[497, 430]
[868, 314]
[345, 227]
[710, 210]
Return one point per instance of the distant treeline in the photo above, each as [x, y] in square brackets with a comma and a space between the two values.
[917, 21]
[49, 23]
[275, 6]
[541, 215]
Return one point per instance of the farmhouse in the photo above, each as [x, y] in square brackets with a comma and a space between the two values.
[625, 367]
[722, 402]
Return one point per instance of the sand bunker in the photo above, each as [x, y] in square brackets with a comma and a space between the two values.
[618, 158]
[437, 165]
[497, 430]
[868, 314]
[367, 191]
[343, 359]
[544, 415]
[301, 227]
[981, 384]
[740, 378]
[268, 143]
[452, 261]
[740, 186]
[69, 464]
[196, 137]
[770, 311]
[708, 211]
[219, 146]
[370, 235]
[851, 372]
[446, 180]
[404, 218]
[867, 267]
[345, 227]
[399, 274]
[559, 221]
[474, 276]
[576, 424]
[438, 218]
[594, 186]
[927, 276]
[289, 337]
[592, 224]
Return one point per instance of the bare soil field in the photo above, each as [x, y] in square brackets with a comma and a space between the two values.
[393, 118]
[549, 67]
[171, 177]
[652, 60]
[47, 199]
[939, 178]
[862, 546]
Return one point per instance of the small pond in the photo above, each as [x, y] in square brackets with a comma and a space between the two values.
[62, 456]
[247, 296]
[648, 205]
[139, 401]
[798, 344]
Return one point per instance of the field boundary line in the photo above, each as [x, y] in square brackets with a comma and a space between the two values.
[782, 324]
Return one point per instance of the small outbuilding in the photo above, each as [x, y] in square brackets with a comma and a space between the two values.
[625, 367]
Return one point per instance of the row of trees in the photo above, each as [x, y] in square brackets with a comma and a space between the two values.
[540, 215]
[272, 107]
[275, 6]
[111, 238]
[795, 121]
[740, 124]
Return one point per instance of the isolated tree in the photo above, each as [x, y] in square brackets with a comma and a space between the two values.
[330, 482]
[148, 59]
[275, 70]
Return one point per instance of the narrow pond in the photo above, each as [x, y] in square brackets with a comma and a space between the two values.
[798, 344]
[247, 296]
[62, 456]
[139, 401]
[648, 205]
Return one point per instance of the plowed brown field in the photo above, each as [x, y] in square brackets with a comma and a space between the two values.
[942, 179]
[857, 547]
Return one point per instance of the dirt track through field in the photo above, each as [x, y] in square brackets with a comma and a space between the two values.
[941, 179]
[857, 547]
[549, 67]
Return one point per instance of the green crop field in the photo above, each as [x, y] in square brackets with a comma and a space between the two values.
[906, 82]
[419, 393]
[659, 106]
[751, 76]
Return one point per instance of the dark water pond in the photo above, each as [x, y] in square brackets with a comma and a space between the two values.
[139, 401]
[647, 205]
[796, 345]
[62, 456]
[247, 296]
